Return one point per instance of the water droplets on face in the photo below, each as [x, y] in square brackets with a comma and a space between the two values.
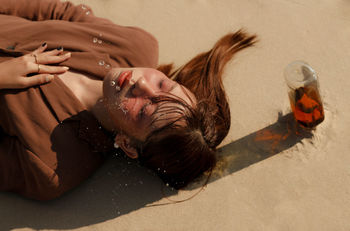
[124, 110]
[121, 106]
[112, 84]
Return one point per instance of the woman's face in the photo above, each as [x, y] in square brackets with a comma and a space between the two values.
[127, 93]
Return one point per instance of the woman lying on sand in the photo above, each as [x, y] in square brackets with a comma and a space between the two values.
[57, 126]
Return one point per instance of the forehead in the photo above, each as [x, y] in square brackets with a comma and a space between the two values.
[172, 109]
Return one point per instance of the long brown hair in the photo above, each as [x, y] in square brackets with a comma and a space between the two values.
[180, 152]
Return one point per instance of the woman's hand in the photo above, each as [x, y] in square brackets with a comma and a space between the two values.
[13, 72]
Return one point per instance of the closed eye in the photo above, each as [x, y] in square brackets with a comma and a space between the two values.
[161, 84]
[167, 85]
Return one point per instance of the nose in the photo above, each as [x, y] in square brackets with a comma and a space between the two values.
[143, 88]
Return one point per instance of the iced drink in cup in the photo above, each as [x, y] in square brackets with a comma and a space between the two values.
[304, 95]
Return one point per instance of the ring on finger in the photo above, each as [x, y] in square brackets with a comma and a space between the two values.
[36, 58]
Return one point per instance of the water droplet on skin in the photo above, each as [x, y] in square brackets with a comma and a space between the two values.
[83, 7]
[94, 40]
[122, 108]
[112, 83]
[87, 12]
[125, 111]
[99, 41]
[107, 66]
[117, 88]
[100, 34]
[101, 63]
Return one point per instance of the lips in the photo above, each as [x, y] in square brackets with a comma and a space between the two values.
[124, 78]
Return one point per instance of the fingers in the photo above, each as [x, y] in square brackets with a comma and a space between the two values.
[36, 80]
[52, 59]
[30, 67]
[49, 57]
[45, 69]
[34, 62]
[40, 49]
[56, 51]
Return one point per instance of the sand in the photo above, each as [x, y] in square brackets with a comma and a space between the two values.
[268, 177]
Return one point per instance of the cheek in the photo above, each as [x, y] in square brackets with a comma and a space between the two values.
[110, 104]
[114, 111]
[124, 113]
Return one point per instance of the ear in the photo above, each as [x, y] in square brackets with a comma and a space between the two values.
[124, 142]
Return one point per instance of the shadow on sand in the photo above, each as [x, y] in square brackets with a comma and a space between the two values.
[122, 186]
[259, 145]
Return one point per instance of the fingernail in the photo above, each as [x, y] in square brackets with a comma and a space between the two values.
[66, 68]
[60, 48]
[44, 44]
[48, 78]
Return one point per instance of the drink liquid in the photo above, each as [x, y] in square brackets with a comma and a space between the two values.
[306, 106]
[304, 96]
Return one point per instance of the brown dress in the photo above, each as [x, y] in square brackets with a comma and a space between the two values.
[48, 142]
